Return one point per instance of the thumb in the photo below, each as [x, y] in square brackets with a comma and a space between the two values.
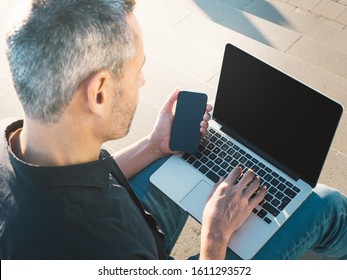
[170, 102]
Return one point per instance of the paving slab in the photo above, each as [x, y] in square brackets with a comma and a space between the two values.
[320, 55]
[322, 29]
[163, 13]
[181, 52]
[306, 4]
[9, 103]
[329, 9]
[241, 22]
[162, 79]
[342, 18]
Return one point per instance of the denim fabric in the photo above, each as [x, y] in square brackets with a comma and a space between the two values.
[320, 224]
[170, 217]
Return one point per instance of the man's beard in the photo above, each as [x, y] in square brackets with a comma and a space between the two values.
[123, 115]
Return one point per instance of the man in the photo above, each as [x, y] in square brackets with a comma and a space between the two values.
[76, 67]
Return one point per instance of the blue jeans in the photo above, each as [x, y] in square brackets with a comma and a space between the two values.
[320, 224]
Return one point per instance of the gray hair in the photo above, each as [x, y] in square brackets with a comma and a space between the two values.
[60, 44]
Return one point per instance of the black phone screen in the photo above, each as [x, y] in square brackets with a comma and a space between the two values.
[190, 109]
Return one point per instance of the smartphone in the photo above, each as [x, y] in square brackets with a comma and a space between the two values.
[185, 133]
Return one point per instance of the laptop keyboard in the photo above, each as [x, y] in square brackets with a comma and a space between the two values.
[217, 156]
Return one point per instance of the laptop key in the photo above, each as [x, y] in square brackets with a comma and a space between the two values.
[267, 220]
[222, 154]
[272, 210]
[272, 190]
[279, 195]
[255, 160]
[281, 187]
[236, 147]
[237, 155]
[255, 168]
[197, 164]
[204, 159]
[198, 155]
[204, 142]
[268, 177]
[225, 147]
[296, 189]
[231, 151]
[212, 156]
[185, 156]
[216, 168]
[213, 139]
[212, 176]
[262, 213]
[191, 160]
[286, 199]
[290, 193]
[219, 143]
[267, 169]
[243, 160]
[274, 182]
[275, 202]
[281, 179]
[268, 197]
[203, 169]
[228, 159]
[285, 202]
[224, 165]
[210, 146]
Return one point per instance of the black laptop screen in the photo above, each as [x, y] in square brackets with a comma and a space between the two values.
[285, 121]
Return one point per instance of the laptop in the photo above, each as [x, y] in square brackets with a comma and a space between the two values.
[264, 120]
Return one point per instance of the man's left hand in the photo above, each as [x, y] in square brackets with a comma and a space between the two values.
[160, 135]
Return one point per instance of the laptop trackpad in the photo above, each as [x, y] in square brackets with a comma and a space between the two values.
[195, 200]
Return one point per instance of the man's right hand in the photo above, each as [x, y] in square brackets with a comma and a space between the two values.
[227, 208]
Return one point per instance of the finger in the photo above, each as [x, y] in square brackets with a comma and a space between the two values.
[233, 175]
[209, 108]
[204, 124]
[171, 101]
[247, 178]
[253, 187]
[203, 131]
[206, 117]
[259, 197]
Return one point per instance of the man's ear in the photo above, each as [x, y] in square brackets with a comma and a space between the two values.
[99, 91]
